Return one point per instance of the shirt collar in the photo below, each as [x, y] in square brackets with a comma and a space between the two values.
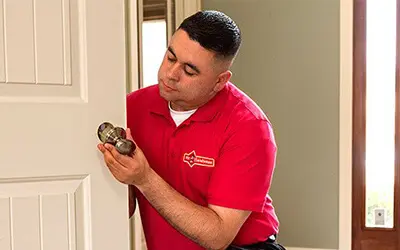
[205, 113]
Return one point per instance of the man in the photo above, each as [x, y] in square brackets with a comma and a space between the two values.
[205, 151]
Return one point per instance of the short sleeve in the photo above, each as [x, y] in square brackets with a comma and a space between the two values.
[243, 171]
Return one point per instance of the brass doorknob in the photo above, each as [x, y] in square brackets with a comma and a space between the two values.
[116, 136]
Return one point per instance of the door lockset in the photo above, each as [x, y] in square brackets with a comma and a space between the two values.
[116, 136]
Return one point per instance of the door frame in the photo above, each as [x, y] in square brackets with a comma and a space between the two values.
[183, 9]
[345, 134]
[133, 76]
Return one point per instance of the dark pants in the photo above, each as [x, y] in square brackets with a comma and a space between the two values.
[269, 244]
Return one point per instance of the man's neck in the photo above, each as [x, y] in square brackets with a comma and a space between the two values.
[173, 108]
[178, 107]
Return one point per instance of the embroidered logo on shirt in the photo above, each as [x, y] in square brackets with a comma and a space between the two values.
[193, 159]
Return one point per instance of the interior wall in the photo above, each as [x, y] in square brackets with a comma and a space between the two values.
[289, 64]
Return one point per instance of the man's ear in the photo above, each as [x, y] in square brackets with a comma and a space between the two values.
[223, 78]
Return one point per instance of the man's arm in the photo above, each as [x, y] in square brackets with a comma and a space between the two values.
[212, 227]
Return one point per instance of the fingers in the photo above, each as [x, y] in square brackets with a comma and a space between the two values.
[116, 168]
[122, 159]
[128, 134]
[129, 137]
[101, 148]
[125, 169]
[108, 156]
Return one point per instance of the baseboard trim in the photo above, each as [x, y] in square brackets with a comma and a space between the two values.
[299, 248]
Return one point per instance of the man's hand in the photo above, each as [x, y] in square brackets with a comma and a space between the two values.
[131, 170]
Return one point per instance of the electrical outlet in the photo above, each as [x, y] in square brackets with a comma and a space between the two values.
[379, 216]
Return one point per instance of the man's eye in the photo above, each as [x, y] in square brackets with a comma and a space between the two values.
[171, 59]
[189, 73]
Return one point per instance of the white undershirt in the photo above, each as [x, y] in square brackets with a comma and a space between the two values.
[180, 116]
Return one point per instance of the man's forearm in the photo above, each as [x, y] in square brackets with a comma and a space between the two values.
[201, 224]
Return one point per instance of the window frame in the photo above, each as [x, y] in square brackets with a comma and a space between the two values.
[363, 237]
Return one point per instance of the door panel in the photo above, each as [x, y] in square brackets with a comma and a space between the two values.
[62, 73]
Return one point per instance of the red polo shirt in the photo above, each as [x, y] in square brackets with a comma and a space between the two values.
[223, 154]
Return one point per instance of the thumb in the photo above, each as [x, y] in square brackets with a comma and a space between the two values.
[129, 137]
[128, 134]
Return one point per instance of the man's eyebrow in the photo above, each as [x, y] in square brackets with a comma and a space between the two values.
[171, 50]
[193, 67]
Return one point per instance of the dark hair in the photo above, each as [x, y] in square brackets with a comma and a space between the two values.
[214, 31]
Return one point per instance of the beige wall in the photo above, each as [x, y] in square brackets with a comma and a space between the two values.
[289, 63]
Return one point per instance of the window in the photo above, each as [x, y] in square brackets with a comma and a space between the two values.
[154, 35]
[376, 125]
[156, 25]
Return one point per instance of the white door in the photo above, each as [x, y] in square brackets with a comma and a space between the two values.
[62, 73]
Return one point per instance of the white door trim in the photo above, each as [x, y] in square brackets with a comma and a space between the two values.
[170, 25]
[185, 8]
[345, 129]
[133, 31]
[133, 84]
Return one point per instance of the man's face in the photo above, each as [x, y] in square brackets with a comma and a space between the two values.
[190, 75]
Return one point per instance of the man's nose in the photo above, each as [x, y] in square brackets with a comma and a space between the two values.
[173, 72]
